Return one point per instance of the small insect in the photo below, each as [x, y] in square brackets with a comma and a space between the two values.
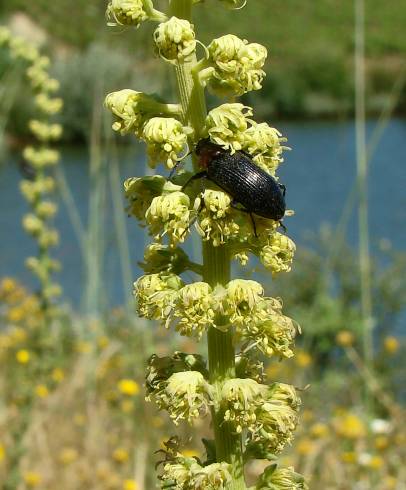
[248, 185]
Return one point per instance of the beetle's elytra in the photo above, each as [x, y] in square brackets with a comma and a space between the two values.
[248, 185]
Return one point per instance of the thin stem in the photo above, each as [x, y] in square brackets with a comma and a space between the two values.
[362, 174]
[216, 270]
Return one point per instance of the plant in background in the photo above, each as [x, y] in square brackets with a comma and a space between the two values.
[250, 418]
[31, 352]
[38, 185]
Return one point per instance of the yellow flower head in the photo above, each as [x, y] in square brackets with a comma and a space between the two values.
[345, 338]
[41, 391]
[23, 356]
[121, 455]
[350, 426]
[128, 387]
[68, 455]
[175, 39]
[130, 485]
[32, 479]
[391, 344]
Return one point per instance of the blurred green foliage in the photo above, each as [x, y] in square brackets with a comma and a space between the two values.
[309, 70]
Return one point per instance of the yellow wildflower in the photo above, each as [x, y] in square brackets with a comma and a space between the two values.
[2, 452]
[303, 359]
[58, 375]
[375, 463]
[130, 485]
[32, 479]
[41, 391]
[305, 447]
[345, 338]
[381, 442]
[350, 426]
[83, 347]
[15, 314]
[319, 430]
[68, 455]
[7, 285]
[103, 341]
[349, 457]
[23, 356]
[391, 344]
[128, 387]
[120, 455]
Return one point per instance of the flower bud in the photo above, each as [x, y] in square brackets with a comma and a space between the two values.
[226, 125]
[187, 473]
[194, 308]
[46, 210]
[32, 224]
[242, 298]
[185, 395]
[237, 66]
[48, 238]
[140, 191]
[274, 478]
[175, 40]
[216, 221]
[271, 332]
[241, 398]
[263, 143]
[159, 257]
[48, 105]
[169, 214]
[165, 138]
[41, 157]
[278, 254]
[276, 421]
[126, 12]
[155, 295]
[45, 132]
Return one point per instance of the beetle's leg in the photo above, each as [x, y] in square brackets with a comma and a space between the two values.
[283, 188]
[282, 226]
[254, 225]
[177, 165]
[199, 175]
[234, 204]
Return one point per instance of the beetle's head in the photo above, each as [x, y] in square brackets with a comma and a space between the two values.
[203, 145]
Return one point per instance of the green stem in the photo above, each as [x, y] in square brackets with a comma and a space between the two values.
[362, 174]
[216, 270]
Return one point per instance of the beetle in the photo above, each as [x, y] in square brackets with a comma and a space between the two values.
[248, 185]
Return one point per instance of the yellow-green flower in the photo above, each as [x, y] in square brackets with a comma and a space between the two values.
[194, 309]
[226, 125]
[169, 215]
[166, 139]
[235, 65]
[175, 39]
[126, 12]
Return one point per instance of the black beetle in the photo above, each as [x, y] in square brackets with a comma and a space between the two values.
[248, 185]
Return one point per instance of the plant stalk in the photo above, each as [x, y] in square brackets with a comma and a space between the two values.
[362, 174]
[216, 271]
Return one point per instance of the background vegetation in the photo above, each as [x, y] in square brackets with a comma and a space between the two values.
[310, 67]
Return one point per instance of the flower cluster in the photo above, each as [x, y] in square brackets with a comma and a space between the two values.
[234, 66]
[37, 187]
[172, 209]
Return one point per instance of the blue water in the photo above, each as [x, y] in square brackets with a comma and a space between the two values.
[319, 173]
